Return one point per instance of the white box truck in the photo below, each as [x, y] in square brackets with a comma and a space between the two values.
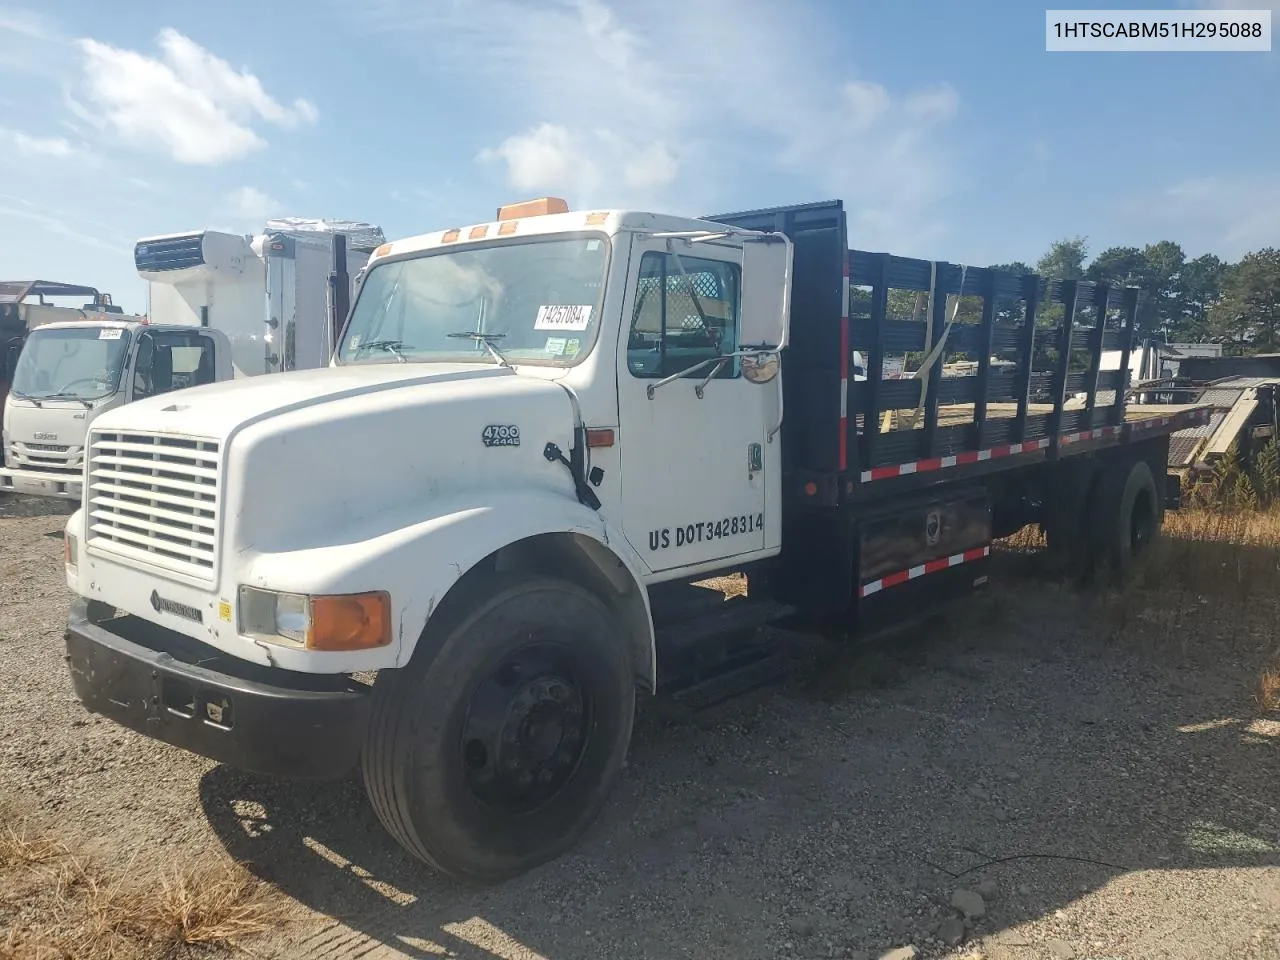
[221, 306]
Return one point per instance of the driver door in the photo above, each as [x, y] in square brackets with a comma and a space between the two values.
[695, 468]
[168, 360]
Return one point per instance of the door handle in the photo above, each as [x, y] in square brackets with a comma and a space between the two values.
[755, 458]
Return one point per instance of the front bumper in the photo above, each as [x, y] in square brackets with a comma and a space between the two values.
[185, 693]
[63, 486]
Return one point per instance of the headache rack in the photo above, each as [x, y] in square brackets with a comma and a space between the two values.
[1029, 384]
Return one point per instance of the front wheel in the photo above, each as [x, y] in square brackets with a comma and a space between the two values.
[496, 747]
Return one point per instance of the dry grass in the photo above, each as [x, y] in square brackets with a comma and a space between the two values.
[1215, 570]
[1269, 690]
[56, 905]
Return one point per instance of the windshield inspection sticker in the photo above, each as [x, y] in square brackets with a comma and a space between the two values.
[110, 333]
[572, 347]
[555, 346]
[563, 317]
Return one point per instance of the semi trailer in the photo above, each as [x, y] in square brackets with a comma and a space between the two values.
[220, 306]
[453, 558]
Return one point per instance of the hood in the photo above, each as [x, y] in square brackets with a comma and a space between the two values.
[217, 409]
[308, 452]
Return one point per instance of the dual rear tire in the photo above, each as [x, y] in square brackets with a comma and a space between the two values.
[495, 748]
[1106, 521]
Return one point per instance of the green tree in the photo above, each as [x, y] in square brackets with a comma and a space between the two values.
[1156, 270]
[1124, 265]
[1016, 267]
[1202, 280]
[1161, 306]
[1247, 315]
[1065, 259]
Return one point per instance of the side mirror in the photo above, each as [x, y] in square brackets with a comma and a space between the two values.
[13, 350]
[766, 292]
[760, 367]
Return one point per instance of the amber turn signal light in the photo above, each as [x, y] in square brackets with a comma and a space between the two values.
[358, 621]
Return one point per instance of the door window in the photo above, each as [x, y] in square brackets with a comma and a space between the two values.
[686, 313]
[172, 360]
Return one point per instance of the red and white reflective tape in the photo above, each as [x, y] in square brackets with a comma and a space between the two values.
[1098, 433]
[933, 566]
[844, 366]
[1153, 422]
[942, 463]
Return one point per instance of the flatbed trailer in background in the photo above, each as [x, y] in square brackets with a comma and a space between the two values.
[606, 410]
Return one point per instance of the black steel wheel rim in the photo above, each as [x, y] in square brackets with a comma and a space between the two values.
[525, 730]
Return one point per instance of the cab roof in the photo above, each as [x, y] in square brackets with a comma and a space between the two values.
[605, 221]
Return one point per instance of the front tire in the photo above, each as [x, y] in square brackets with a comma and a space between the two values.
[495, 748]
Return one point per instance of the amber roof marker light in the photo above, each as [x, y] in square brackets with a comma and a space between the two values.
[541, 207]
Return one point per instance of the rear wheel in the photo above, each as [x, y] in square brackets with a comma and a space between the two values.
[1126, 518]
[496, 747]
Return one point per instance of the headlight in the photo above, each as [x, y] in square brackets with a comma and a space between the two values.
[357, 621]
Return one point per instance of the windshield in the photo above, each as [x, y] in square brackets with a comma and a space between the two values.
[75, 363]
[533, 302]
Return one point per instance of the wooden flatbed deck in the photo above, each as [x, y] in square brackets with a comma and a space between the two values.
[959, 414]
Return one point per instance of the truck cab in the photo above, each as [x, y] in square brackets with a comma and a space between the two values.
[70, 373]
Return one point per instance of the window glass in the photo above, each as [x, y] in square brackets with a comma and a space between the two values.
[686, 312]
[538, 301]
[81, 363]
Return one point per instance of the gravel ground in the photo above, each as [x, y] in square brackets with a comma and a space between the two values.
[1018, 781]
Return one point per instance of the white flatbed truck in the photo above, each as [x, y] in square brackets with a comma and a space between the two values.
[536, 436]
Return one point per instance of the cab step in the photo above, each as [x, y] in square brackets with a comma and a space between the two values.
[722, 653]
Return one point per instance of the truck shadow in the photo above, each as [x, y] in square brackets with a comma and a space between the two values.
[1025, 743]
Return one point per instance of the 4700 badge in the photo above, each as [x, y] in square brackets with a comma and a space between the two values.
[705, 531]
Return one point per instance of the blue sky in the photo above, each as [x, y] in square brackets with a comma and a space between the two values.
[946, 127]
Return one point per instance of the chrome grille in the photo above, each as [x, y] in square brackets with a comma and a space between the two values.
[154, 498]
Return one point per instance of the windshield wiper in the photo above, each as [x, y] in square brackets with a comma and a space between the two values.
[88, 404]
[390, 346]
[484, 338]
[26, 396]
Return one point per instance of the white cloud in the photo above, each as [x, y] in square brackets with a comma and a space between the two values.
[29, 46]
[867, 104]
[546, 156]
[550, 157]
[1228, 216]
[30, 146]
[187, 102]
[249, 203]
[654, 166]
[680, 105]
[25, 24]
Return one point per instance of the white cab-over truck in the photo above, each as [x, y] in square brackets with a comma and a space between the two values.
[220, 306]
[452, 558]
[27, 306]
